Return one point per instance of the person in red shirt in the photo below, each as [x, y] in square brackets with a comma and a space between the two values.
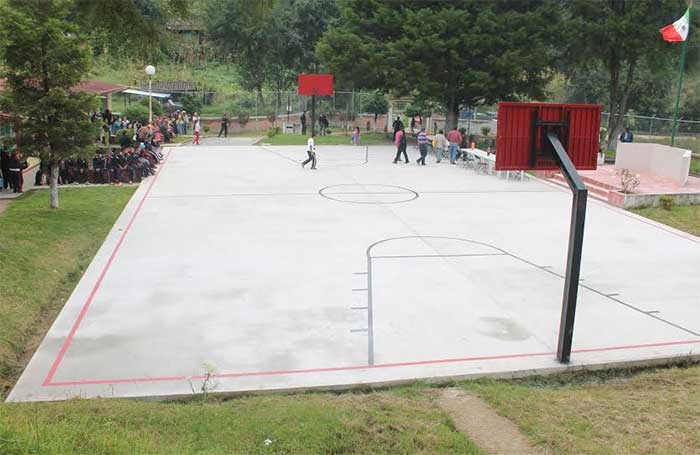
[401, 144]
[454, 138]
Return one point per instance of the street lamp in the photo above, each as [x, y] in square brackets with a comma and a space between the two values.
[151, 71]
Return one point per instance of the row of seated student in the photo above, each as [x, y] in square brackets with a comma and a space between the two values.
[119, 165]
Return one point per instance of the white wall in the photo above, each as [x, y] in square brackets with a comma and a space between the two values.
[656, 159]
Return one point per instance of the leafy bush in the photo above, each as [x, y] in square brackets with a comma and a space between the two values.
[157, 107]
[137, 112]
[667, 202]
[273, 131]
[485, 130]
[243, 118]
[191, 103]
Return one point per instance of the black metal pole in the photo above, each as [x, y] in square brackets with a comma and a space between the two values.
[573, 260]
[313, 114]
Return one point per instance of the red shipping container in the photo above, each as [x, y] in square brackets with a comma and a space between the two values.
[316, 84]
[521, 142]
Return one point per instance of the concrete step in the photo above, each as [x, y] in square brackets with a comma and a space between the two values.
[593, 190]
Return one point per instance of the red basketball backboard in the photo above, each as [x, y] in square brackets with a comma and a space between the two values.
[521, 138]
[316, 84]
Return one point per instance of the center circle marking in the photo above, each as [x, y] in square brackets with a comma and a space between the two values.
[368, 193]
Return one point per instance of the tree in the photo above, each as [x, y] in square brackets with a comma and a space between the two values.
[621, 36]
[134, 27]
[271, 41]
[44, 58]
[377, 104]
[456, 53]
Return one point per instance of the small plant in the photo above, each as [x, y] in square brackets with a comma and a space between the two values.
[243, 118]
[628, 180]
[208, 382]
[273, 131]
[667, 202]
[485, 130]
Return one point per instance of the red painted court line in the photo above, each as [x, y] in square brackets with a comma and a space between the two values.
[364, 367]
[98, 283]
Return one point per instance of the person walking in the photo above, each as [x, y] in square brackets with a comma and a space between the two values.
[196, 127]
[422, 146]
[302, 119]
[5, 169]
[311, 151]
[397, 125]
[16, 166]
[185, 121]
[224, 125]
[455, 139]
[439, 145]
[356, 136]
[401, 144]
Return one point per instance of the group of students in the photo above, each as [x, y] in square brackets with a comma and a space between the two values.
[440, 143]
[167, 127]
[12, 166]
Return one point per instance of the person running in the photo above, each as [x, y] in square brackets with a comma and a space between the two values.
[455, 139]
[439, 145]
[224, 125]
[401, 144]
[422, 146]
[311, 151]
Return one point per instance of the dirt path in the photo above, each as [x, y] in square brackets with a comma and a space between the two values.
[3, 204]
[491, 432]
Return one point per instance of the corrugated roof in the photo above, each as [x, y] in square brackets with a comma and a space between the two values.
[95, 87]
[170, 86]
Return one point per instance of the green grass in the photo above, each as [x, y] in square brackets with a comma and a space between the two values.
[43, 254]
[683, 217]
[653, 412]
[370, 138]
[377, 423]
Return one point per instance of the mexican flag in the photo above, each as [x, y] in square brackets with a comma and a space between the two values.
[678, 31]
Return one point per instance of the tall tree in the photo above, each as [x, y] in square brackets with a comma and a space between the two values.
[622, 36]
[45, 57]
[271, 41]
[456, 53]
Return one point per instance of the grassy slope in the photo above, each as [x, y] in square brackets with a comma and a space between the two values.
[654, 412]
[686, 218]
[333, 139]
[298, 424]
[43, 254]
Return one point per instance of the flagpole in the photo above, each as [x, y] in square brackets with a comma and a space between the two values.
[680, 81]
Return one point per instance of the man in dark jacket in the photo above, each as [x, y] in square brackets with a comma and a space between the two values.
[5, 168]
[224, 125]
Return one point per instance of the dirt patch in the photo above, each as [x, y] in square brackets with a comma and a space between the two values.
[3, 205]
[493, 433]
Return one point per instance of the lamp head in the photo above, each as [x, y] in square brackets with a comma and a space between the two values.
[150, 70]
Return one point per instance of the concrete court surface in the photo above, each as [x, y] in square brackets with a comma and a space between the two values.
[237, 268]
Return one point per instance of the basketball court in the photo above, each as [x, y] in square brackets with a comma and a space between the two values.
[235, 270]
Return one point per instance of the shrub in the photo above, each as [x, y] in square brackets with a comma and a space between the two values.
[191, 103]
[243, 118]
[273, 131]
[137, 112]
[157, 107]
[628, 180]
[667, 202]
[485, 130]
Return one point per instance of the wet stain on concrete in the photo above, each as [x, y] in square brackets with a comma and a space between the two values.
[504, 329]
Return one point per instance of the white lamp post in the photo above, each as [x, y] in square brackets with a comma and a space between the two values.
[151, 71]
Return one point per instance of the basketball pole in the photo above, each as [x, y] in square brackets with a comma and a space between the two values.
[573, 258]
[313, 114]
